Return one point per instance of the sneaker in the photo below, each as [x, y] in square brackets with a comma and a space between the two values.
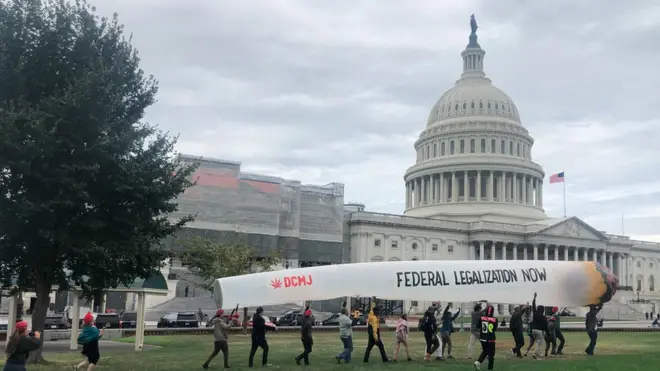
[409, 359]
[560, 353]
[439, 359]
[477, 365]
[450, 357]
[535, 356]
[338, 359]
[297, 361]
[513, 351]
[205, 366]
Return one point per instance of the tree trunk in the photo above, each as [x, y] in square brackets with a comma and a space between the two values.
[39, 317]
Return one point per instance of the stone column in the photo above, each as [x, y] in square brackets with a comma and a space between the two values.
[502, 187]
[515, 251]
[441, 188]
[525, 252]
[556, 252]
[610, 262]
[603, 258]
[432, 199]
[595, 256]
[536, 251]
[418, 191]
[477, 191]
[540, 194]
[524, 188]
[454, 187]
[620, 270]
[482, 248]
[545, 252]
[505, 248]
[565, 253]
[466, 187]
[492, 250]
[514, 188]
[489, 190]
[407, 195]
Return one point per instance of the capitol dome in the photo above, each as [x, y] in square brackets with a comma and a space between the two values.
[474, 158]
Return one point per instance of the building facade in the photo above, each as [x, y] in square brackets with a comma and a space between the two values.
[475, 193]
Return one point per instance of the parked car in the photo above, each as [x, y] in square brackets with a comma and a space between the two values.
[333, 320]
[108, 320]
[128, 320]
[566, 313]
[289, 318]
[182, 319]
[57, 321]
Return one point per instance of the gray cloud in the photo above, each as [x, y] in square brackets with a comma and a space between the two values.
[338, 91]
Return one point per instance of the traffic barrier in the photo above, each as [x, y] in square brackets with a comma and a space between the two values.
[64, 334]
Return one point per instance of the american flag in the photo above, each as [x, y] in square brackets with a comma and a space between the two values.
[557, 178]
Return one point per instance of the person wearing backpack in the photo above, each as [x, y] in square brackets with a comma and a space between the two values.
[429, 327]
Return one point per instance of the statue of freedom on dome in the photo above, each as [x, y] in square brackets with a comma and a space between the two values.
[473, 24]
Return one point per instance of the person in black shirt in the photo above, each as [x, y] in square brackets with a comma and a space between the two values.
[429, 327]
[306, 337]
[487, 338]
[539, 326]
[259, 329]
[516, 326]
[591, 323]
[19, 346]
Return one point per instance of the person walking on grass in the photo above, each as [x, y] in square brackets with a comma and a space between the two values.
[346, 336]
[591, 324]
[220, 338]
[447, 329]
[19, 345]
[539, 326]
[401, 335]
[373, 332]
[89, 338]
[516, 327]
[474, 329]
[258, 335]
[487, 338]
[428, 325]
[306, 337]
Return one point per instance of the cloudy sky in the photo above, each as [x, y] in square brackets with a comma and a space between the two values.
[334, 90]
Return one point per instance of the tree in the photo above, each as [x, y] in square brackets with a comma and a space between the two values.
[211, 259]
[86, 186]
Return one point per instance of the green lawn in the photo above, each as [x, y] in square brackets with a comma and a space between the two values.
[615, 351]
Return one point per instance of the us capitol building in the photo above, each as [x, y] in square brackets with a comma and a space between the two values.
[474, 192]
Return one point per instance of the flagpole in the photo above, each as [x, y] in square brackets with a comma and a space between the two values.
[623, 230]
[564, 183]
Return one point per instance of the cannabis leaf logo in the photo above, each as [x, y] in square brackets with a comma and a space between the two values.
[276, 283]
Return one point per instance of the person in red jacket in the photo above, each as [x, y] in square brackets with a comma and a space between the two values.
[488, 325]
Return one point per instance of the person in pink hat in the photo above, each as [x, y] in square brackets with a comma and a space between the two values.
[19, 346]
[220, 338]
[89, 339]
[306, 336]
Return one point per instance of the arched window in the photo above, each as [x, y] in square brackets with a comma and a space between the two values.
[435, 150]
[493, 146]
[451, 147]
[511, 148]
[473, 144]
[376, 258]
[639, 283]
[639, 264]
[483, 146]
[442, 149]
[462, 146]
[503, 147]
[414, 246]
[518, 150]
[428, 152]
[651, 283]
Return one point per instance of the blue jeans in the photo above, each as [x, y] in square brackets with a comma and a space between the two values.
[348, 348]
